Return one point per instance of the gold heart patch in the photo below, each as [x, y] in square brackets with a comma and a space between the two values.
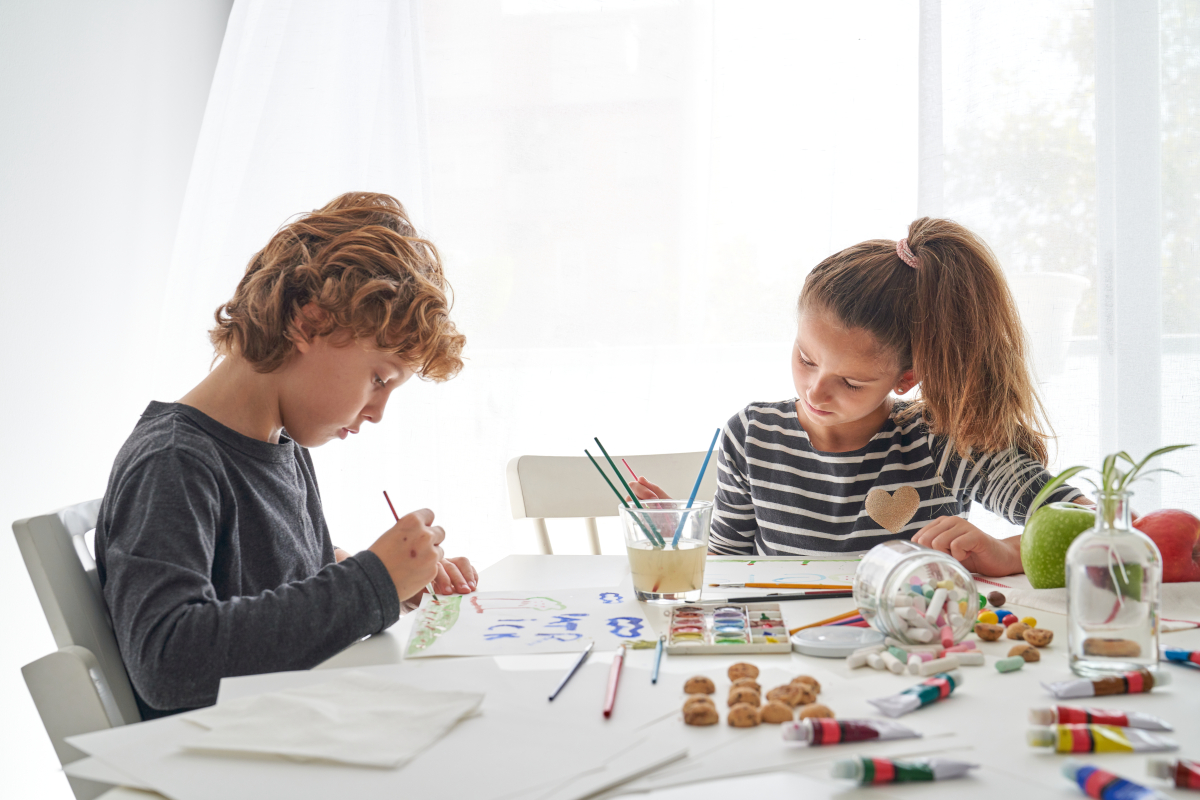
[892, 511]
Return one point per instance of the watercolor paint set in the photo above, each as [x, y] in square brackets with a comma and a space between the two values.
[717, 628]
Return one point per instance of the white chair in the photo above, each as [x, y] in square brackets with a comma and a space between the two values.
[568, 487]
[82, 687]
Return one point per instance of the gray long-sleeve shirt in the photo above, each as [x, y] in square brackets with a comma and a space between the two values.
[215, 560]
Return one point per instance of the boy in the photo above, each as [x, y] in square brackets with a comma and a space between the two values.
[211, 547]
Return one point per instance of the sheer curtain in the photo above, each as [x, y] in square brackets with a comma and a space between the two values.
[627, 196]
[1069, 143]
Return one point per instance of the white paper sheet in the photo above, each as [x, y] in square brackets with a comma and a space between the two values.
[774, 569]
[352, 718]
[527, 622]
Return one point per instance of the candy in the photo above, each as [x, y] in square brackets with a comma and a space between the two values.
[996, 599]
[939, 665]
[971, 658]
[874, 661]
[988, 617]
[890, 661]
[1010, 664]
[1030, 621]
[947, 636]
[946, 584]
[983, 600]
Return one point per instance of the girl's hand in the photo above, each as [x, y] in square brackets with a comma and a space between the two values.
[455, 576]
[977, 551]
[645, 490]
[339, 555]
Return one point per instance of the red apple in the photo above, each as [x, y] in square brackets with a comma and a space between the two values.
[1177, 534]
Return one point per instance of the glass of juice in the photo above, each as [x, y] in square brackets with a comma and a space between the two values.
[667, 543]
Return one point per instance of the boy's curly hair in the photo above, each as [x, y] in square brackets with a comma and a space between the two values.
[360, 262]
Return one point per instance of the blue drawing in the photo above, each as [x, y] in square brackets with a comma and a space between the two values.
[557, 637]
[626, 627]
[611, 597]
[491, 637]
[568, 621]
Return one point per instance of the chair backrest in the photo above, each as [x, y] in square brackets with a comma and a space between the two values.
[567, 487]
[64, 576]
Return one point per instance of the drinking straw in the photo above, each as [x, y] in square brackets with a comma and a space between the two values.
[621, 497]
[781, 598]
[428, 586]
[658, 651]
[631, 472]
[575, 668]
[614, 676]
[853, 613]
[695, 488]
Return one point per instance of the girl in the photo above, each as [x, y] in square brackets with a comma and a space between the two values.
[846, 465]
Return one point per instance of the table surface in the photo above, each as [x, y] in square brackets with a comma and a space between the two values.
[983, 722]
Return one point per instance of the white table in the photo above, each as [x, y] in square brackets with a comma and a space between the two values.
[985, 721]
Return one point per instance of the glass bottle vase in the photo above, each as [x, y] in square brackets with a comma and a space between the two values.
[1114, 577]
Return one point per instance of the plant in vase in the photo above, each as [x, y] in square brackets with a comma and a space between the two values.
[1113, 572]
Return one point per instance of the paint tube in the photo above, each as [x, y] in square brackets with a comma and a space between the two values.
[1066, 715]
[1142, 680]
[883, 770]
[934, 688]
[1099, 739]
[1180, 656]
[823, 730]
[1104, 785]
[1185, 774]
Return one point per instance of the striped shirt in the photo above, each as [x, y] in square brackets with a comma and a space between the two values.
[777, 495]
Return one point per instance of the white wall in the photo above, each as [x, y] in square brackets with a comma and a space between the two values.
[100, 107]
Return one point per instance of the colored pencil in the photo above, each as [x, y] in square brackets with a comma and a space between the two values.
[834, 618]
[849, 621]
[658, 651]
[428, 586]
[614, 676]
[831, 586]
[621, 497]
[631, 472]
[574, 668]
[695, 488]
[783, 598]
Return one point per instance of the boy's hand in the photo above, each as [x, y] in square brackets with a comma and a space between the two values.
[455, 576]
[645, 490]
[410, 551]
[977, 551]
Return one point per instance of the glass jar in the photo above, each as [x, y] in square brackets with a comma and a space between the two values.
[899, 584]
[1114, 578]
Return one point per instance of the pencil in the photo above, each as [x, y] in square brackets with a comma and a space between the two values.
[614, 676]
[428, 586]
[631, 472]
[649, 535]
[853, 613]
[574, 668]
[830, 586]
[658, 651]
[782, 598]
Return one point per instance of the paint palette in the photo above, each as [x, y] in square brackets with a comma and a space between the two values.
[717, 628]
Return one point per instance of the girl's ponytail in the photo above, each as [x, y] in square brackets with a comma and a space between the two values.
[968, 346]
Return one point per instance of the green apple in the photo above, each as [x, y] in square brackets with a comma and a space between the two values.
[1045, 540]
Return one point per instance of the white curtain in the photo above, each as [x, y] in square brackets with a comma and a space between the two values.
[1070, 144]
[627, 196]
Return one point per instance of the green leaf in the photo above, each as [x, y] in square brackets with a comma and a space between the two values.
[1049, 488]
[1133, 474]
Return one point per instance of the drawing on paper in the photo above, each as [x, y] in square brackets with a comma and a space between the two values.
[790, 570]
[500, 623]
[515, 604]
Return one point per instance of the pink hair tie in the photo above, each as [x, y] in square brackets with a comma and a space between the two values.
[906, 255]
